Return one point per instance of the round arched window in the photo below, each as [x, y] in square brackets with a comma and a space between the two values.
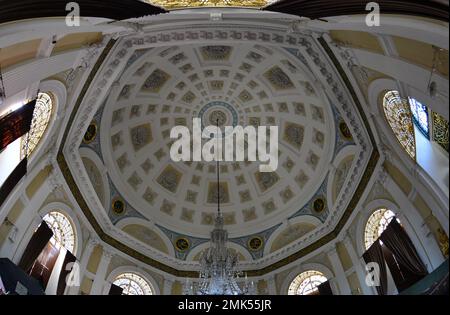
[398, 115]
[376, 224]
[41, 117]
[133, 284]
[306, 283]
[63, 232]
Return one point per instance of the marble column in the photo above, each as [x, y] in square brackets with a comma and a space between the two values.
[360, 271]
[83, 262]
[271, 285]
[100, 275]
[167, 289]
[339, 273]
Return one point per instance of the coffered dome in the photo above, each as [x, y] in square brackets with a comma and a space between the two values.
[238, 84]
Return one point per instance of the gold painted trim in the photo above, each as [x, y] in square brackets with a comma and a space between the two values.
[260, 245]
[115, 199]
[93, 123]
[182, 239]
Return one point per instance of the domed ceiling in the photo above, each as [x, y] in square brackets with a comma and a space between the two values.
[241, 84]
[151, 82]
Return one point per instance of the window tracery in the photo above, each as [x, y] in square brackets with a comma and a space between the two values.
[306, 283]
[133, 284]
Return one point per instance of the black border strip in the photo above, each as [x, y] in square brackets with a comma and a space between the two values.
[14, 10]
[317, 9]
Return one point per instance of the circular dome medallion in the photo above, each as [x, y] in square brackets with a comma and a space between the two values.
[91, 133]
[118, 206]
[255, 243]
[182, 244]
[218, 111]
[319, 205]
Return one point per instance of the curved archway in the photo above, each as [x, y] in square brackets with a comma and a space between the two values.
[139, 221]
[397, 114]
[133, 284]
[411, 222]
[427, 155]
[63, 230]
[70, 215]
[308, 220]
[58, 95]
[306, 283]
[327, 273]
[42, 114]
[376, 224]
[242, 252]
[133, 280]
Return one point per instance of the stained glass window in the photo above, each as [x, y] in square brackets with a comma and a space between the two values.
[63, 232]
[133, 284]
[440, 131]
[398, 115]
[420, 116]
[306, 283]
[41, 117]
[376, 224]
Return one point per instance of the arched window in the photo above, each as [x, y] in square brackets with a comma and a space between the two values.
[440, 131]
[420, 116]
[398, 115]
[41, 117]
[306, 283]
[133, 284]
[63, 231]
[376, 224]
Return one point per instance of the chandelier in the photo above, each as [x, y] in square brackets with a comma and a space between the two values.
[219, 274]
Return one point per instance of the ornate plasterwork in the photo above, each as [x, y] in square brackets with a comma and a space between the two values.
[182, 4]
[322, 68]
[255, 92]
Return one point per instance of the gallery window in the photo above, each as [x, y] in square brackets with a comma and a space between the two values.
[306, 283]
[398, 115]
[407, 115]
[133, 284]
[63, 231]
[39, 123]
[376, 224]
[440, 131]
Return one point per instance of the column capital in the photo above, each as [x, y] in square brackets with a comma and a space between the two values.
[347, 239]
[167, 287]
[270, 278]
[93, 241]
[107, 253]
[332, 250]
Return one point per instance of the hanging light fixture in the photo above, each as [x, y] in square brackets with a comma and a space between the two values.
[219, 274]
[432, 85]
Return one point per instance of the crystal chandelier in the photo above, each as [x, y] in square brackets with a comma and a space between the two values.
[219, 274]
